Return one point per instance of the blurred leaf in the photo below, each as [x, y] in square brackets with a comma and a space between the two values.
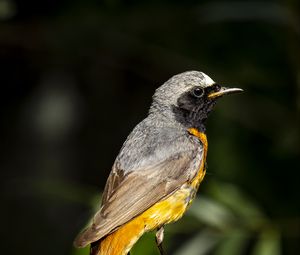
[212, 213]
[233, 243]
[239, 203]
[268, 243]
[146, 245]
[82, 251]
[188, 224]
[202, 243]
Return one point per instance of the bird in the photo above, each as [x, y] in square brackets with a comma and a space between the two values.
[159, 168]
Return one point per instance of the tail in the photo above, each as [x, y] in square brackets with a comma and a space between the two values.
[121, 241]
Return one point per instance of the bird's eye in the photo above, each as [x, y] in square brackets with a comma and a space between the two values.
[217, 87]
[198, 92]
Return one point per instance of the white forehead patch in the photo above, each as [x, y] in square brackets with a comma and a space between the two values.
[208, 81]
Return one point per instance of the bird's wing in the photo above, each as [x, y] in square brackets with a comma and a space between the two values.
[127, 196]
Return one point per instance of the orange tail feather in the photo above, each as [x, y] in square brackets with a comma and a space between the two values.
[121, 241]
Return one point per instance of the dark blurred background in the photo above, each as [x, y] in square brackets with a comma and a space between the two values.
[77, 76]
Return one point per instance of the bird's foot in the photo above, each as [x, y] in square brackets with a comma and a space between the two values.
[159, 239]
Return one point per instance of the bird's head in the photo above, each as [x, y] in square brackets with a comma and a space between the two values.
[189, 97]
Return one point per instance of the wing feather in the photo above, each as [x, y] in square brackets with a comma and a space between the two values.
[128, 195]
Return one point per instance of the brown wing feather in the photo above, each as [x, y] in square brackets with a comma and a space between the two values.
[126, 196]
[113, 182]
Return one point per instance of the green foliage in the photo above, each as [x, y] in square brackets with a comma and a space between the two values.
[230, 223]
[83, 251]
[146, 245]
[221, 222]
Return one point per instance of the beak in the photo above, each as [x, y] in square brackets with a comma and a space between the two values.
[224, 91]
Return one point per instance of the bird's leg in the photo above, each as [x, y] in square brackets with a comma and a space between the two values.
[159, 239]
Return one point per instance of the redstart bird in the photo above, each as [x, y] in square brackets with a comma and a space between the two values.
[159, 168]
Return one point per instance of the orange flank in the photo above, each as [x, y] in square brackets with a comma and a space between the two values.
[166, 211]
[201, 173]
